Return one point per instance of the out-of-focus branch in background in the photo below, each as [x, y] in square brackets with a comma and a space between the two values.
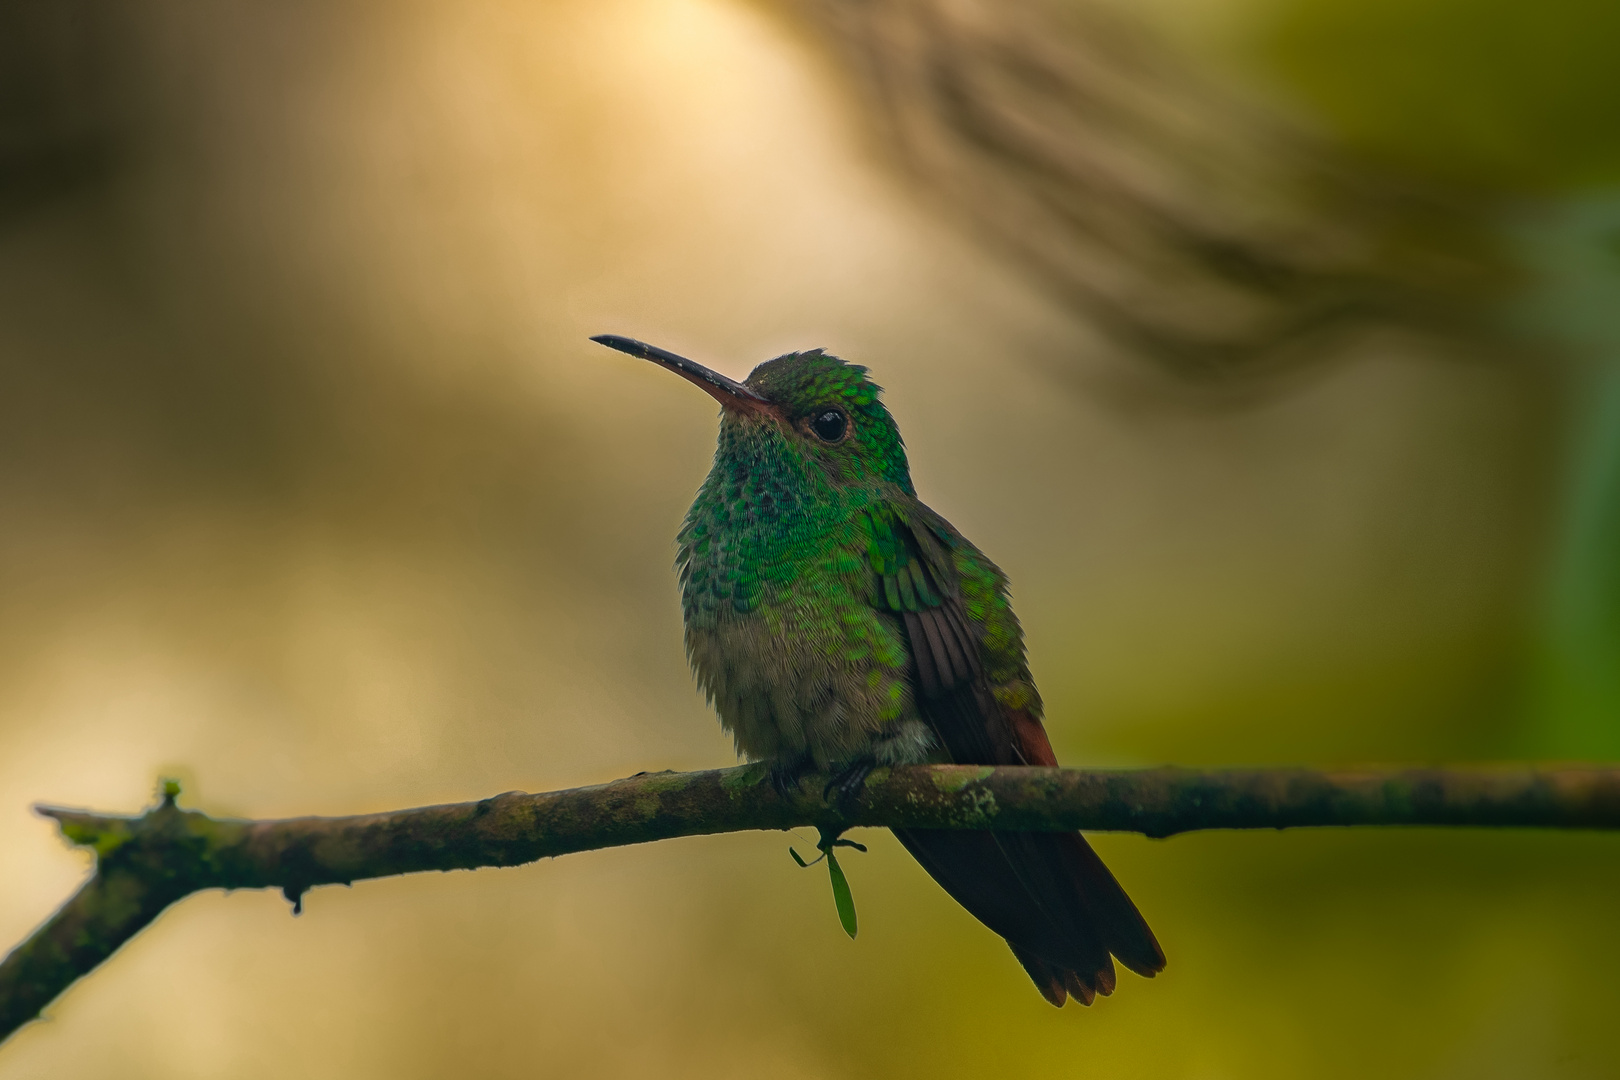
[1199, 229]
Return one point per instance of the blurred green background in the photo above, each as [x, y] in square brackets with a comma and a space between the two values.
[315, 495]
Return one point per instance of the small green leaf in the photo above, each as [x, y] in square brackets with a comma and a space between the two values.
[797, 858]
[841, 895]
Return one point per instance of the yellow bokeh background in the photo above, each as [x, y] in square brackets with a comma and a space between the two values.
[317, 497]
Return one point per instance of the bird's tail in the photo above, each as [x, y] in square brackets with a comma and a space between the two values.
[1053, 900]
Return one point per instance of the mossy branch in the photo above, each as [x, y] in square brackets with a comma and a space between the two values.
[146, 863]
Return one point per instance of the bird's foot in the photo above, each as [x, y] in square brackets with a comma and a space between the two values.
[848, 782]
[786, 774]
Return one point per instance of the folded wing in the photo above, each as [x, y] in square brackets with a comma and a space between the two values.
[1048, 894]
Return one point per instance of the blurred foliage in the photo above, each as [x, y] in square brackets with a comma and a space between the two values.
[317, 498]
[1576, 663]
[1493, 94]
[1191, 226]
[1514, 101]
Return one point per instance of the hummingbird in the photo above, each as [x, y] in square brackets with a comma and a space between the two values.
[837, 624]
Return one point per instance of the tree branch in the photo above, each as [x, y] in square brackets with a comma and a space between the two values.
[146, 863]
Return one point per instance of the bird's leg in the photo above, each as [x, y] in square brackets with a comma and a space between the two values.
[849, 781]
[786, 772]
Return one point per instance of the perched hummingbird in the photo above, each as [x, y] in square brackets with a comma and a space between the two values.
[838, 624]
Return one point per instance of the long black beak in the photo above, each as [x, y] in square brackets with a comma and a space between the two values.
[728, 392]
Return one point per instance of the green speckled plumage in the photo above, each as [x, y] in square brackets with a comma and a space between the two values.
[796, 557]
[838, 623]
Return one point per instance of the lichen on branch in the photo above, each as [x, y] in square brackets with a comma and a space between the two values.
[146, 863]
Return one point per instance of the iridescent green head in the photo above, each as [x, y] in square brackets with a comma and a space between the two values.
[826, 412]
[834, 411]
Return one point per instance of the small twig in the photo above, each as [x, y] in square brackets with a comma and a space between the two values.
[146, 863]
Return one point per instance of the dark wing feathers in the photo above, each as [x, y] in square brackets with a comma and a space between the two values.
[960, 647]
[1048, 894]
[934, 649]
[913, 576]
[940, 666]
[927, 673]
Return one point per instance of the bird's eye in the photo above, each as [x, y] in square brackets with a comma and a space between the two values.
[829, 425]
